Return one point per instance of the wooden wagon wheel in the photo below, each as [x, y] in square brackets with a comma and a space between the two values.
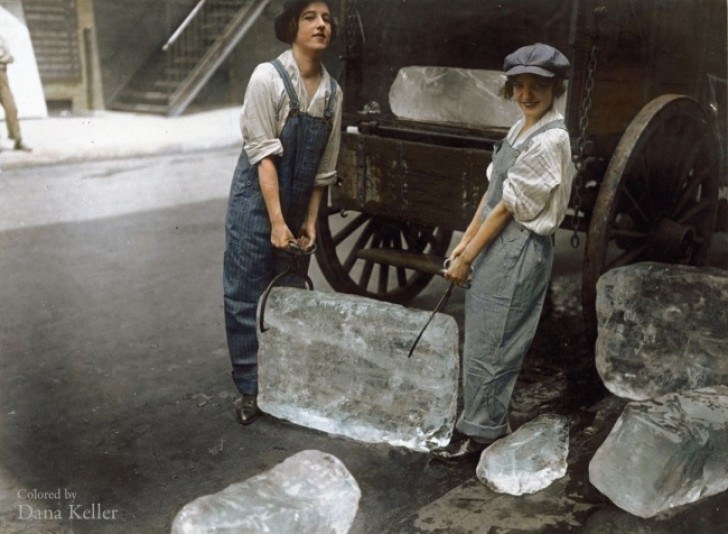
[348, 241]
[659, 195]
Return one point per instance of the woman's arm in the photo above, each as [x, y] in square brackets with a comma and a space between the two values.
[486, 233]
[307, 236]
[280, 235]
[470, 231]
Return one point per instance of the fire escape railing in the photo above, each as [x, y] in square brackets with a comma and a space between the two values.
[192, 54]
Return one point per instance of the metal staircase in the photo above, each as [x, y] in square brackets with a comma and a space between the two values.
[170, 80]
[54, 30]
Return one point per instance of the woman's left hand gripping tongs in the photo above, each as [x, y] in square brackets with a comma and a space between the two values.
[294, 255]
[442, 303]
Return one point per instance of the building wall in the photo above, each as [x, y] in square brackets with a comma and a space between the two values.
[128, 32]
[23, 72]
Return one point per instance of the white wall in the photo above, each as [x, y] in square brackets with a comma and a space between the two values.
[23, 73]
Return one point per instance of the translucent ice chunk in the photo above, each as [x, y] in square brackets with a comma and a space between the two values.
[338, 363]
[528, 460]
[309, 492]
[441, 94]
[644, 351]
[666, 452]
[467, 97]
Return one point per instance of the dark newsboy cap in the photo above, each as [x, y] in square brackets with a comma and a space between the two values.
[539, 58]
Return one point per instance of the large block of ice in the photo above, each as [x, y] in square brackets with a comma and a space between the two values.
[528, 460]
[666, 452]
[338, 363]
[662, 328]
[309, 492]
[442, 94]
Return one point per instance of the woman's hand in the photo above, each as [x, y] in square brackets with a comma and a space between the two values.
[307, 236]
[281, 236]
[458, 271]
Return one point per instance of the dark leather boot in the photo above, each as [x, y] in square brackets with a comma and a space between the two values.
[461, 448]
[246, 408]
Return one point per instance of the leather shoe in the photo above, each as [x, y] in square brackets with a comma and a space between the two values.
[461, 448]
[246, 408]
[19, 145]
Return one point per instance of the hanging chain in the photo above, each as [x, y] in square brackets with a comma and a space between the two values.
[582, 142]
[352, 25]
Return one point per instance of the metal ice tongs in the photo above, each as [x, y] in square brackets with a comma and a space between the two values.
[442, 303]
[293, 254]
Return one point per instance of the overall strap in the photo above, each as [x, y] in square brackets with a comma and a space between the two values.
[330, 105]
[293, 97]
[558, 123]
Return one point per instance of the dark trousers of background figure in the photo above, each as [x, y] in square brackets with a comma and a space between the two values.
[8, 103]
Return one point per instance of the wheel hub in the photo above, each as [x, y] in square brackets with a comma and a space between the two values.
[673, 240]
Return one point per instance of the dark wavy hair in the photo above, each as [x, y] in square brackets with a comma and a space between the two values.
[286, 26]
[558, 83]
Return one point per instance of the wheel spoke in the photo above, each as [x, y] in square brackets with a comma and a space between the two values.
[636, 205]
[648, 187]
[366, 274]
[695, 209]
[401, 271]
[351, 258]
[689, 192]
[689, 156]
[402, 276]
[350, 228]
[410, 240]
[383, 277]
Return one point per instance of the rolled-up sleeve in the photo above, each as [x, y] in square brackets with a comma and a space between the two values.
[259, 119]
[326, 173]
[534, 175]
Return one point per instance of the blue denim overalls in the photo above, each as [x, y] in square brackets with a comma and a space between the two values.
[502, 309]
[250, 262]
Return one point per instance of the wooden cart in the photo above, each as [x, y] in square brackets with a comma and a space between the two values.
[646, 110]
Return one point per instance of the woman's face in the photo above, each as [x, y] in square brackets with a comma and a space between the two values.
[533, 94]
[314, 26]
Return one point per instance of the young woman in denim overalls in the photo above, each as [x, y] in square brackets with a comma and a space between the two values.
[291, 124]
[508, 246]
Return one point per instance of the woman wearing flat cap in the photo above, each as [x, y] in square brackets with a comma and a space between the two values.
[291, 121]
[509, 248]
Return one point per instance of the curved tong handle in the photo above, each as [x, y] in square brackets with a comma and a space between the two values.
[446, 266]
[293, 253]
[442, 303]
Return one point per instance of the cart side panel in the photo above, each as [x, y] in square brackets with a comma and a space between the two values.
[410, 181]
[647, 49]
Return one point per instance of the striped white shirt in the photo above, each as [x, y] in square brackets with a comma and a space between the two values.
[266, 108]
[538, 185]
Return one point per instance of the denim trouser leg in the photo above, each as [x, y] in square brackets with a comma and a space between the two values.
[248, 267]
[502, 311]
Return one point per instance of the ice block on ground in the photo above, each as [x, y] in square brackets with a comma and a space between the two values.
[662, 328]
[338, 363]
[311, 491]
[666, 452]
[528, 460]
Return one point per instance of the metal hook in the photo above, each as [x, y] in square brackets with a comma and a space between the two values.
[293, 253]
[443, 302]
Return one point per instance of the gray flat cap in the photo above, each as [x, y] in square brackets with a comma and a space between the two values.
[538, 58]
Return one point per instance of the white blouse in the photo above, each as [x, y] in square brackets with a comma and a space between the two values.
[538, 185]
[266, 107]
